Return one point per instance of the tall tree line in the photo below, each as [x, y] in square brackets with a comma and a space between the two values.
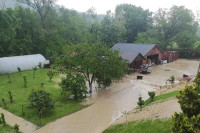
[46, 30]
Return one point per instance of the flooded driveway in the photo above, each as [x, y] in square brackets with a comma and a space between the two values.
[108, 105]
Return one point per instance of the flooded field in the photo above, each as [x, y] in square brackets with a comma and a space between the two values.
[108, 105]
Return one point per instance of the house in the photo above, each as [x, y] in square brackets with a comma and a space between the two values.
[138, 54]
[25, 62]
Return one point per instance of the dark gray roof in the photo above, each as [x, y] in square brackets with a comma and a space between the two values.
[130, 51]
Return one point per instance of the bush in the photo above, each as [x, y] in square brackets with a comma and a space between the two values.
[130, 70]
[140, 102]
[50, 74]
[16, 128]
[184, 124]
[25, 81]
[41, 101]
[151, 95]
[10, 96]
[74, 83]
[3, 119]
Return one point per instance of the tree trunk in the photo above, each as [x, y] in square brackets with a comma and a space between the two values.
[90, 86]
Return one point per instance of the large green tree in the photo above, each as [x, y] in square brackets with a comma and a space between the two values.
[95, 61]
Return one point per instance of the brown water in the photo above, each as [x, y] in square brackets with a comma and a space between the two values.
[109, 104]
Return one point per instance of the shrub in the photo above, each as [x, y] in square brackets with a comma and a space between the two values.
[151, 95]
[16, 128]
[19, 70]
[50, 74]
[184, 124]
[140, 102]
[25, 81]
[3, 119]
[9, 80]
[34, 69]
[171, 79]
[130, 70]
[41, 101]
[74, 83]
[10, 96]
[4, 103]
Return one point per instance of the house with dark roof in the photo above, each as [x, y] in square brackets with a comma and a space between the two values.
[137, 54]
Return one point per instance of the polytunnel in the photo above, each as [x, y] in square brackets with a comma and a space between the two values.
[25, 62]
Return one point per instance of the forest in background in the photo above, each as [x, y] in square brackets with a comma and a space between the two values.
[44, 29]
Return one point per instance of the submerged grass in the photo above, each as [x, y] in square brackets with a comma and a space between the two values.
[20, 96]
[147, 126]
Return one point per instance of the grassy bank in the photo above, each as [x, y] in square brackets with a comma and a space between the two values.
[161, 97]
[20, 96]
[148, 126]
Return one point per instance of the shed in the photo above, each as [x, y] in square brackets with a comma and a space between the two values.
[26, 62]
[170, 56]
[148, 51]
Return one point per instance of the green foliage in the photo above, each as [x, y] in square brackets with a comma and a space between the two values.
[197, 79]
[10, 96]
[95, 61]
[74, 83]
[151, 95]
[25, 81]
[184, 124]
[50, 74]
[16, 128]
[130, 70]
[3, 119]
[140, 102]
[189, 100]
[41, 101]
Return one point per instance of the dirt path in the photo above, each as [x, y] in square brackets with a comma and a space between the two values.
[24, 126]
[158, 110]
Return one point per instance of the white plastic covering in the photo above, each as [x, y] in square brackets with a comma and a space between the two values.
[26, 62]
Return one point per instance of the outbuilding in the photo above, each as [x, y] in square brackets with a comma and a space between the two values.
[143, 52]
[25, 62]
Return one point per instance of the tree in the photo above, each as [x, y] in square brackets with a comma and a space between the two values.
[74, 83]
[136, 19]
[10, 96]
[41, 6]
[95, 61]
[41, 101]
[175, 25]
[189, 120]
[197, 79]
[151, 94]
[140, 102]
[3, 119]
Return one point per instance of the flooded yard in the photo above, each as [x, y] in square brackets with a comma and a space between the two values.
[107, 105]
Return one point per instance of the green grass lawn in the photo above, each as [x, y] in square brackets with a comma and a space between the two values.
[148, 126]
[20, 96]
[161, 97]
[6, 129]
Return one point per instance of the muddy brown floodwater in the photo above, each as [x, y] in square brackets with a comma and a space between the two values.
[108, 105]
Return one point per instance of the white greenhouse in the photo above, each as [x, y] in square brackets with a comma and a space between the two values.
[26, 62]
